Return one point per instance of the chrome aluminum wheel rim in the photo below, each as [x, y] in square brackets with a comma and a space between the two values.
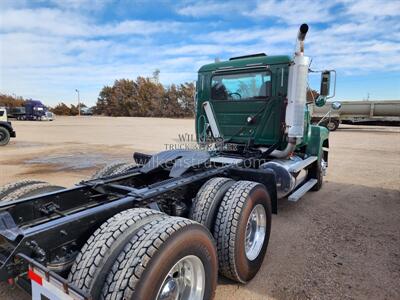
[185, 280]
[255, 232]
[324, 167]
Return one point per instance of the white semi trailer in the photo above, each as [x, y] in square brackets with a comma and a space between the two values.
[356, 112]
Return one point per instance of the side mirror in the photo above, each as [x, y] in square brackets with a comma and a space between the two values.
[325, 83]
[336, 105]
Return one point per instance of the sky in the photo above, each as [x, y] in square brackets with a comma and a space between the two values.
[50, 48]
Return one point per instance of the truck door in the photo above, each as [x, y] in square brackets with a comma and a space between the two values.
[245, 106]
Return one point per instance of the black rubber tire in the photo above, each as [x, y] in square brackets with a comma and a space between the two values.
[4, 136]
[123, 168]
[99, 253]
[316, 173]
[230, 230]
[332, 124]
[11, 187]
[205, 206]
[140, 269]
[116, 168]
[108, 170]
[31, 190]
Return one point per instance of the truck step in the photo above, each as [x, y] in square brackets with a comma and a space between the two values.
[302, 190]
[297, 167]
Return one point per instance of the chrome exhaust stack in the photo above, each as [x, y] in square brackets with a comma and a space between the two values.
[297, 96]
[301, 36]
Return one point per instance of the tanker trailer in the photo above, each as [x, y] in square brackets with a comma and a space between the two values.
[386, 112]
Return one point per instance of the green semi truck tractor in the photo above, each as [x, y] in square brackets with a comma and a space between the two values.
[257, 104]
[164, 225]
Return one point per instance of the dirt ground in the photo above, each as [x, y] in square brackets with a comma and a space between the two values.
[341, 242]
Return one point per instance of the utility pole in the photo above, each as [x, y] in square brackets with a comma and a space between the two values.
[79, 102]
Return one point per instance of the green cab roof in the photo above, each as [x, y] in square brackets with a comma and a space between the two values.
[246, 62]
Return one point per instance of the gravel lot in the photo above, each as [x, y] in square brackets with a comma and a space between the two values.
[341, 242]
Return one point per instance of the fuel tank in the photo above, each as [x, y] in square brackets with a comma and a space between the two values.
[286, 181]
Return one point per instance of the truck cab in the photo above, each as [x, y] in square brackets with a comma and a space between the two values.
[3, 114]
[257, 105]
[6, 130]
[247, 95]
[33, 110]
[245, 101]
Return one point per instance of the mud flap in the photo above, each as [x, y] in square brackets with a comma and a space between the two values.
[47, 285]
[40, 292]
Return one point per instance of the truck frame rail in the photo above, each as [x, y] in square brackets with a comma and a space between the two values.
[71, 215]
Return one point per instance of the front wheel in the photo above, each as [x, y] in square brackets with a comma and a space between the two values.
[317, 172]
[332, 124]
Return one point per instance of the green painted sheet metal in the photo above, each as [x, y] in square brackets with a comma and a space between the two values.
[231, 115]
[232, 120]
[242, 63]
[318, 135]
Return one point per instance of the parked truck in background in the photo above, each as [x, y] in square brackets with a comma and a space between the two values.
[6, 130]
[33, 110]
[386, 112]
[87, 111]
[163, 225]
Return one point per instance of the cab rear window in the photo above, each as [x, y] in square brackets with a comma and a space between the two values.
[241, 86]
